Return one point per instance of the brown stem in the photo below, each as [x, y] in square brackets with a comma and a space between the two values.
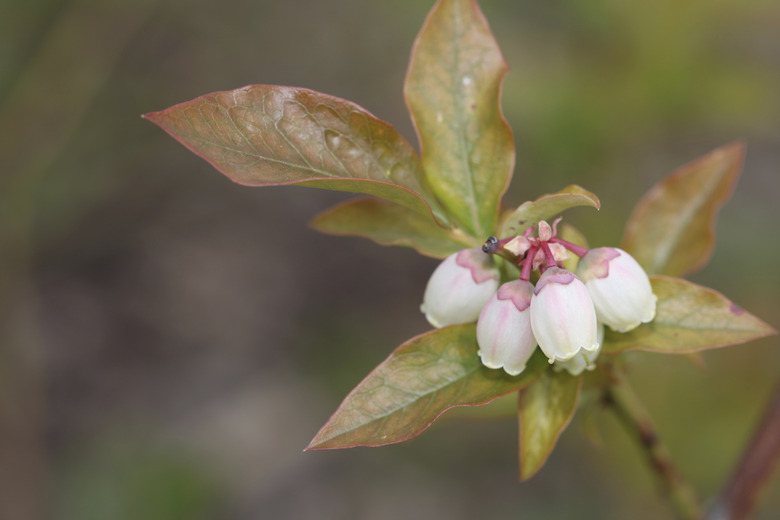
[760, 459]
[631, 412]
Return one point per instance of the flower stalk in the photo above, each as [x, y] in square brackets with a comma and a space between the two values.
[549, 258]
[574, 248]
[528, 263]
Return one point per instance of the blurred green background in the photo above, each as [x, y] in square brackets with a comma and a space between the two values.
[172, 341]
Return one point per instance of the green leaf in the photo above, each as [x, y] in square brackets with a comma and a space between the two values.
[672, 229]
[688, 318]
[419, 381]
[266, 135]
[452, 90]
[546, 207]
[390, 224]
[546, 407]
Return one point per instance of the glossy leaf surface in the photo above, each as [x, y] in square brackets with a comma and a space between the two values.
[688, 318]
[545, 409]
[546, 207]
[672, 229]
[452, 89]
[265, 135]
[390, 224]
[419, 381]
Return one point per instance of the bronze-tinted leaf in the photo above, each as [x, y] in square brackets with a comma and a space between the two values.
[266, 135]
[452, 89]
[672, 229]
[688, 318]
[546, 207]
[419, 381]
[545, 409]
[390, 224]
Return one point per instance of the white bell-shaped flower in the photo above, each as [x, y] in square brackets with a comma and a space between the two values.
[562, 316]
[619, 287]
[459, 288]
[584, 360]
[504, 328]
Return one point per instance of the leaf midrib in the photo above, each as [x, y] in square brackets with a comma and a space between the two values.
[417, 398]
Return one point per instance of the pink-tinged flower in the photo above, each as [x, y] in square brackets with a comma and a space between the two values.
[619, 287]
[584, 360]
[459, 287]
[562, 316]
[504, 328]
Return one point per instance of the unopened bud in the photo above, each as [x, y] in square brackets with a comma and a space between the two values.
[562, 315]
[504, 328]
[459, 288]
[619, 287]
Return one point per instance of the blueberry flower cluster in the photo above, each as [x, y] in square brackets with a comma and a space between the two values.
[564, 312]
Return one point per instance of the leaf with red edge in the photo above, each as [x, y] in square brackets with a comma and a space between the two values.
[420, 380]
[267, 135]
[672, 229]
[453, 89]
[546, 207]
[545, 409]
[390, 224]
[688, 318]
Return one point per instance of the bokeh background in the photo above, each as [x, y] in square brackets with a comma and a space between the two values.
[171, 341]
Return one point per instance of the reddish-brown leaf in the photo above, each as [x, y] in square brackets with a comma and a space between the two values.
[672, 229]
[266, 135]
[688, 318]
[420, 380]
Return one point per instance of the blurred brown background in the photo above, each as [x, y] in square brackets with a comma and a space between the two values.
[172, 341]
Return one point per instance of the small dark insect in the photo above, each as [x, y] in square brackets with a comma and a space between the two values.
[490, 245]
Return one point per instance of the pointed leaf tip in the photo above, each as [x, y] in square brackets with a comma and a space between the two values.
[545, 409]
[268, 135]
[546, 207]
[421, 379]
[689, 318]
[672, 228]
[453, 90]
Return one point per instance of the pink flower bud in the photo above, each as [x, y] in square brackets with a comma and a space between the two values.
[562, 316]
[504, 328]
[619, 287]
[459, 288]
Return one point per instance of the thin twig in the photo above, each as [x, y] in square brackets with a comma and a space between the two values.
[631, 412]
[759, 460]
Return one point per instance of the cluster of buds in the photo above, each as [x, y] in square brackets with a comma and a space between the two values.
[564, 312]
